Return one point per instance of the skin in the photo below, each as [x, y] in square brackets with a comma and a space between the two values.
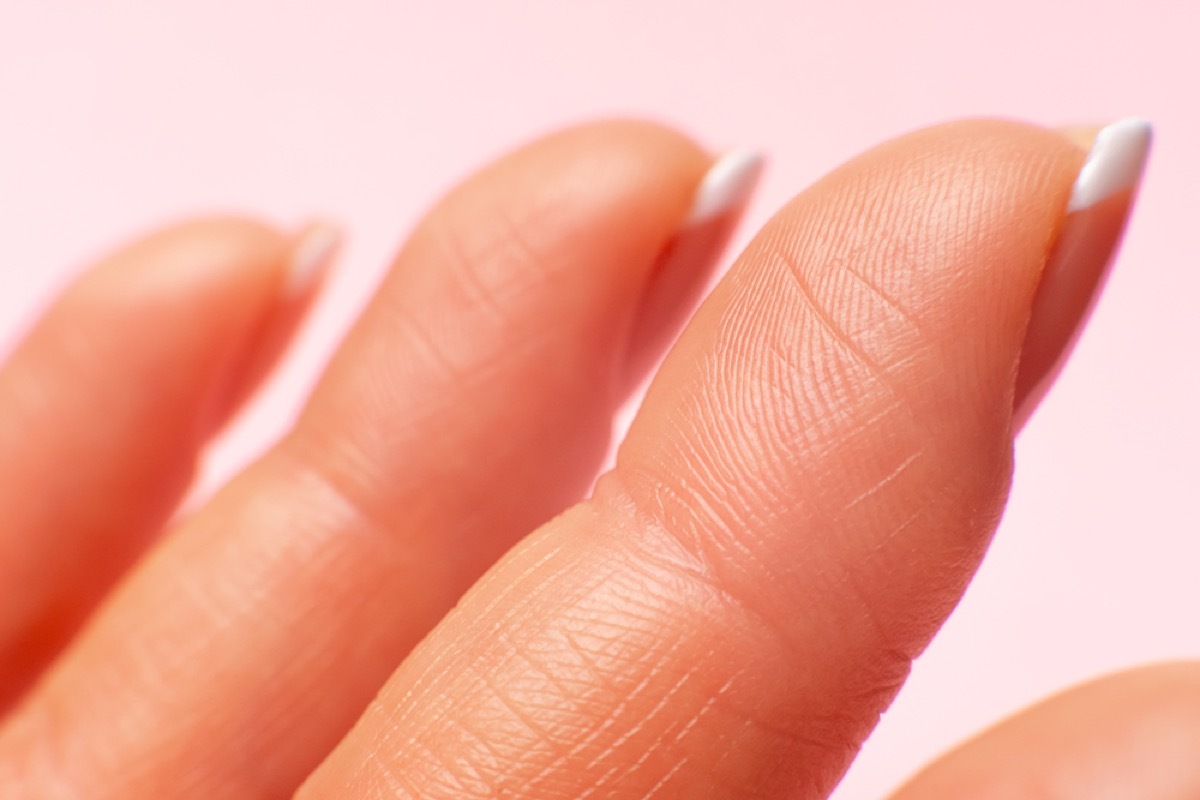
[813, 477]
[1133, 734]
[163, 360]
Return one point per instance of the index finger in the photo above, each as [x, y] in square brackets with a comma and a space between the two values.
[810, 483]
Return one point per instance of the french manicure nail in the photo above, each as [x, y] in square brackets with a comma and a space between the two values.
[1078, 262]
[726, 186]
[1114, 164]
[313, 252]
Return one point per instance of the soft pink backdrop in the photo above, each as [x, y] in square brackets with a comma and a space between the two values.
[121, 113]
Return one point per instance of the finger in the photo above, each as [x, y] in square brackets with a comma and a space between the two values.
[471, 401]
[1134, 734]
[808, 487]
[546, 284]
[106, 403]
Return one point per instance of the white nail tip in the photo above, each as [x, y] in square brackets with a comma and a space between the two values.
[312, 255]
[727, 185]
[1114, 164]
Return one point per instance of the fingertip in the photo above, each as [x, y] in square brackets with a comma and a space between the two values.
[187, 259]
[1096, 171]
[1078, 260]
[209, 301]
[645, 171]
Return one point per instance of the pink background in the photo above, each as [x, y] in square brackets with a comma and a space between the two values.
[121, 113]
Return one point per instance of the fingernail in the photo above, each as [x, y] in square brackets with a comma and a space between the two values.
[312, 254]
[1078, 263]
[726, 186]
[686, 264]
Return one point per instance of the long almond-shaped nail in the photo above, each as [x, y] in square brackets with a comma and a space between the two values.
[687, 262]
[1078, 262]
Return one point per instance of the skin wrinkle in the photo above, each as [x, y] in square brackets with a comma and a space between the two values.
[605, 750]
[503, 254]
[752, 618]
[900, 271]
[832, 331]
[652, 674]
[883, 483]
[743, 435]
[546, 669]
[799, 379]
[707, 448]
[440, 678]
[733, 548]
[513, 706]
[729, 437]
[721, 552]
[662, 741]
[691, 549]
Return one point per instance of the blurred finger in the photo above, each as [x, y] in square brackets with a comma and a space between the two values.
[1134, 734]
[107, 402]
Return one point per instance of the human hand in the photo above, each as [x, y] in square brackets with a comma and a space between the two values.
[809, 485]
